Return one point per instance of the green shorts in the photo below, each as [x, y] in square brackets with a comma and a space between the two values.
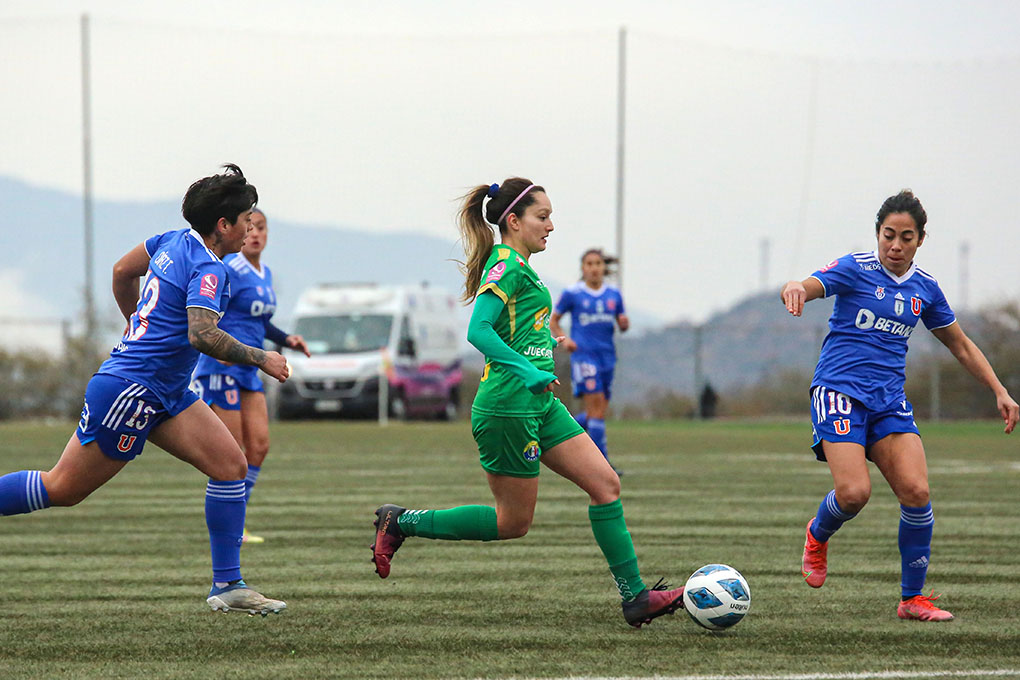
[512, 446]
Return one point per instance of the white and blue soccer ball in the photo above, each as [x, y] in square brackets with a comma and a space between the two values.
[717, 596]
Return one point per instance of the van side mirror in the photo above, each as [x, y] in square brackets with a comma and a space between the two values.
[407, 348]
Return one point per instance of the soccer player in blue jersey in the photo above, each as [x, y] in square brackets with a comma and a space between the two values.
[858, 406]
[141, 392]
[234, 391]
[596, 309]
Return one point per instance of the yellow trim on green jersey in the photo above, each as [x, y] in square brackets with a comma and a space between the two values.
[495, 289]
[511, 308]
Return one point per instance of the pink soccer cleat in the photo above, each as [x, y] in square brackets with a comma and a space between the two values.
[815, 563]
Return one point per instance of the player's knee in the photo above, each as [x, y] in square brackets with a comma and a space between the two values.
[230, 470]
[256, 451]
[852, 498]
[914, 495]
[607, 490]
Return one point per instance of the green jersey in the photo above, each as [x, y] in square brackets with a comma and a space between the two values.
[524, 326]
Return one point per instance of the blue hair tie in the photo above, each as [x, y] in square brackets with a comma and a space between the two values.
[493, 190]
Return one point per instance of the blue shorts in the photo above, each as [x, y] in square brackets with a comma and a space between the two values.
[224, 390]
[119, 414]
[589, 376]
[839, 418]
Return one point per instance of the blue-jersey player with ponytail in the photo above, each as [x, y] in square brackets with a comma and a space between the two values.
[596, 310]
[141, 392]
[858, 406]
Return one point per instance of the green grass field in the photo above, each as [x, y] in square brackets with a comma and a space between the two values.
[116, 586]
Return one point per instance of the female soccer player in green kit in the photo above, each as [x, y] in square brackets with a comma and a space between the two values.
[515, 419]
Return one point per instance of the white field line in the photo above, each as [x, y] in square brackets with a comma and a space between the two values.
[873, 675]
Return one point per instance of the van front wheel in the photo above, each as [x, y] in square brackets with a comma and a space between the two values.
[398, 406]
[452, 407]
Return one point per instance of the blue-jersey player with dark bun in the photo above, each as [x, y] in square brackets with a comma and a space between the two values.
[141, 392]
[234, 391]
[858, 406]
[596, 310]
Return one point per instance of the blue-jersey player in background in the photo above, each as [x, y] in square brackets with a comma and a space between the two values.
[141, 392]
[596, 309]
[858, 406]
[234, 391]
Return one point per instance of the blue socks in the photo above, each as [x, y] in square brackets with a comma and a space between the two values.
[829, 519]
[22, 492]
[597, 432]
[250, 479]
[916, 526]
[224, 516]
[582, 419]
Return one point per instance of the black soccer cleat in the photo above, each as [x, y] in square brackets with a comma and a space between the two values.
[388, 537]
[652, 603]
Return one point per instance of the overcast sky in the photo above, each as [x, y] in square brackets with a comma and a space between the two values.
[785, 122]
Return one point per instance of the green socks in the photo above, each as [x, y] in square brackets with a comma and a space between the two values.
[463, 523]
[611, 534]
[478, 523]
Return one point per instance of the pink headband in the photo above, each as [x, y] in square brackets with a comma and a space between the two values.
[513, 203]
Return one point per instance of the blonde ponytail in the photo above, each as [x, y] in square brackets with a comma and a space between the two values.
[477, 237]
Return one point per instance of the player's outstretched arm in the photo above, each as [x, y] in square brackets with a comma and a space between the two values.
[796, 293]
[206, 337]
[126, 273]
[974, 360]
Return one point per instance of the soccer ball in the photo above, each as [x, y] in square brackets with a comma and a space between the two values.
[717, 596]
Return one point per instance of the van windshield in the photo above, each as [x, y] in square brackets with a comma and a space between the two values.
[345, 333]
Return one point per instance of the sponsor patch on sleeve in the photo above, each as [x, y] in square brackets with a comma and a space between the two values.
[208, 287]
[496, 273]
[829, 266]
[502, 253]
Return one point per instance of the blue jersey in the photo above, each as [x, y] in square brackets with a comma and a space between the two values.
[592, 319]
[864, 354]
[252, 305]
[155, 351]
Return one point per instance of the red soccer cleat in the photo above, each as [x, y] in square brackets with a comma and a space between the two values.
[652, 603]
[388, 538]
[920, 608]
[815, 563]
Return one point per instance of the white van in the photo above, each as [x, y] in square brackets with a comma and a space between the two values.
[358, 332]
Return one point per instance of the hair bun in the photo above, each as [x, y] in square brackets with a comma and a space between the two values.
[493, 190]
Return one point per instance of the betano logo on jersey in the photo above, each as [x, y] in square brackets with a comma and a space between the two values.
[585, 318]
[868, 319]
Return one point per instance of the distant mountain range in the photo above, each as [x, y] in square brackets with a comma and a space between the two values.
[41, 238]
[41, 248]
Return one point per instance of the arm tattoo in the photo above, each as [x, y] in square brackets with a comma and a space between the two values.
[208, 339]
